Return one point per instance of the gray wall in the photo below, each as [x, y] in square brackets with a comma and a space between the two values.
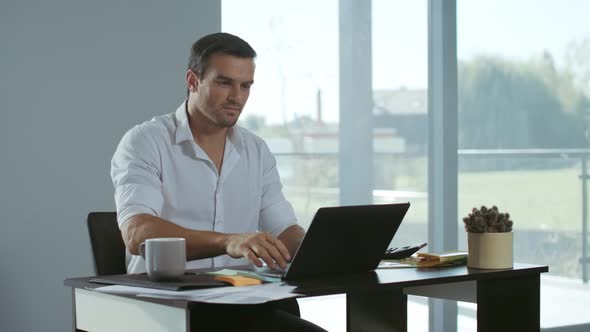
[74, 76]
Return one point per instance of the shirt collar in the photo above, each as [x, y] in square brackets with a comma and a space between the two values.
[236, 138]
[183, 131]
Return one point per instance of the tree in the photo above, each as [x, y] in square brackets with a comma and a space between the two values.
[509, 104]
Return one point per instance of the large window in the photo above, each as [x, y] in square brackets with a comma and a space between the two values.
[295, 101]
[334, 73]
[524, 101]
[331, 74]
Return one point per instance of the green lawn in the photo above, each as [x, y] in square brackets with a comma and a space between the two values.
[535, 199]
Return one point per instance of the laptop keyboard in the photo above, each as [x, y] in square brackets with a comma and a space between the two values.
[268, 272]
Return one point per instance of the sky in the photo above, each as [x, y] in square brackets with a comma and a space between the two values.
[297, 44]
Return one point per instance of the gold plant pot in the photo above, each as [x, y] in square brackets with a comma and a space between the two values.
[490, 250]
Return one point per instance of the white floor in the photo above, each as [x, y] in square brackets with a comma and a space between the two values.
[329, 312]
[564, 302]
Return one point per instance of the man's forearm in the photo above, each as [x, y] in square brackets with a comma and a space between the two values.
[199, 244]
[205, 244]
[292, 237]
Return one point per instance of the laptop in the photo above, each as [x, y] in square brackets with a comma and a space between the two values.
[344, 239]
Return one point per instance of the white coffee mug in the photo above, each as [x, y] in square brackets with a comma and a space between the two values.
[165, 258]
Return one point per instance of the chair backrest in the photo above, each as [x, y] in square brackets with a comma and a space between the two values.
[107, 243]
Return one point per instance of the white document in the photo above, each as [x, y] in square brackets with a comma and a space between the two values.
[255, 294]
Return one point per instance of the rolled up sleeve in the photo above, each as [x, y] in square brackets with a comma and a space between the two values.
[135, 171]
[276, 213]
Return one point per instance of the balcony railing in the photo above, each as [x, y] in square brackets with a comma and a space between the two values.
[582, 154]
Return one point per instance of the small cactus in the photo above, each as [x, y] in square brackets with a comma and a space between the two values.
[485, 220]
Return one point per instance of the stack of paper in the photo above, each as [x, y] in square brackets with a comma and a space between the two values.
[227, 295]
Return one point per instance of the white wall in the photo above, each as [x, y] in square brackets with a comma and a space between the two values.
[74, 76]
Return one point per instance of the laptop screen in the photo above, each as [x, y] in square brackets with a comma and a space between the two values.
[346, 239]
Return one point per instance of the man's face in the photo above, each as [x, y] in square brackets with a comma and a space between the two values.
[222, 92]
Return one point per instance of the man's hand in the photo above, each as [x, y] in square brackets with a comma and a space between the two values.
[256, 246]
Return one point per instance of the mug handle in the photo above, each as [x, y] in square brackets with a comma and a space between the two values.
[142, 250]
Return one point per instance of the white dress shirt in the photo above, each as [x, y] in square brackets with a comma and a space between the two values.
[158, 169]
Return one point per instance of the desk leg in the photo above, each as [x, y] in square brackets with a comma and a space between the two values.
[509, 304]
[382, 310]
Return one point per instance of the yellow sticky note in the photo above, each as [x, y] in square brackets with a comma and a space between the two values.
[239, 280]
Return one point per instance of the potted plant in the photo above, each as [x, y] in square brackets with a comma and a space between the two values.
[489, 239]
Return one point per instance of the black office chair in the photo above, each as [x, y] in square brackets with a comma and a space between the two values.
[107, 243]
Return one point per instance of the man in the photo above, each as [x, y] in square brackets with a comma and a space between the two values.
[195, 174]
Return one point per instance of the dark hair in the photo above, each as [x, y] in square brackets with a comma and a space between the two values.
[220, 42]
